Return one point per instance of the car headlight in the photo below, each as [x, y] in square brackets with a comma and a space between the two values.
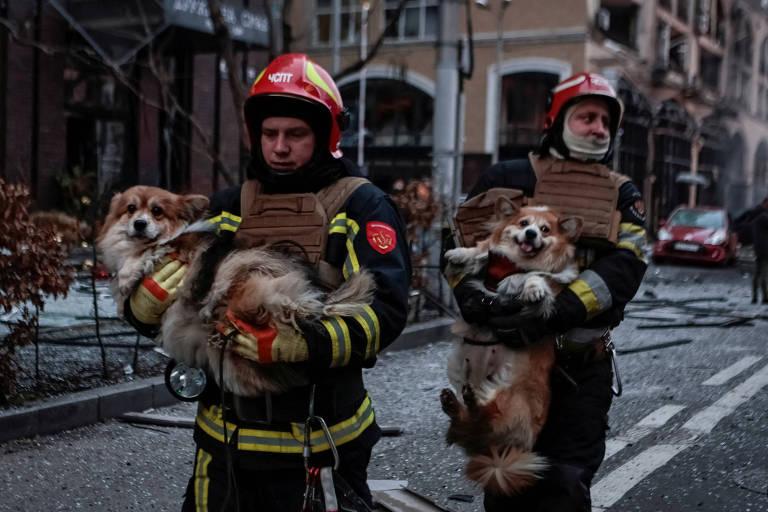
[717, 238]
[664, 235]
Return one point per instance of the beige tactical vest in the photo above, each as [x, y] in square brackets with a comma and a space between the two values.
[295, 223]
[587, 190]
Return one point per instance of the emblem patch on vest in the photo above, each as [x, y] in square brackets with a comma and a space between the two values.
[381, 236]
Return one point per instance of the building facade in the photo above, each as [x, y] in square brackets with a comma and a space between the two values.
[693, 75]
[98, 95]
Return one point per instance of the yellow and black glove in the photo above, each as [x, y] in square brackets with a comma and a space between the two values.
[158, 291]
[264, 344]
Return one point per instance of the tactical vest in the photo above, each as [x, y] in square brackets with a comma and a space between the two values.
[586, 190]
[297, 224]
[589, 191]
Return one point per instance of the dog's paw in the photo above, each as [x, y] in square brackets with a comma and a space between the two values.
[459, 256]
[450, 403]
[535, 290]
[469, 396]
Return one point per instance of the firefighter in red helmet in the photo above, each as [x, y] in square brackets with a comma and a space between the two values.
[569, 172]
[295, 116]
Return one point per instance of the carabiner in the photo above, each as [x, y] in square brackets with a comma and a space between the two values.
[616, 387]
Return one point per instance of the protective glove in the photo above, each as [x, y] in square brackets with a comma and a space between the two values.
[264, 344]
[526, 327]
[478, 306]
[157, 292]
[520, 330]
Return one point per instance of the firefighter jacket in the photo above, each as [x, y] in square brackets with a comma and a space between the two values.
[611, 272]
[367, 232]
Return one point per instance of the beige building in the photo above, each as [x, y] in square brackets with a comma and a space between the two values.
[693, 75]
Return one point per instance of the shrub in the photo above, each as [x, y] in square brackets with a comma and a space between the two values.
[31, 268]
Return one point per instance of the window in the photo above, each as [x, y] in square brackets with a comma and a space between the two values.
[709, 70]
[622, 24]
[349, 31]
[418, 20]
[762, 82]
[740, 69]
[523, 107]
[709, 19]
[682, 9]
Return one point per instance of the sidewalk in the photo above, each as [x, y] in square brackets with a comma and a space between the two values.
[88, 407]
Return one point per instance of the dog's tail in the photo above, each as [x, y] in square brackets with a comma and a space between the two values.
[506, 471]
[352, 296]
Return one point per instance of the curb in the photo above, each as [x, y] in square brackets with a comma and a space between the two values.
[95, 405]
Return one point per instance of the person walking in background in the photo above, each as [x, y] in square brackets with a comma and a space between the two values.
[760, 243]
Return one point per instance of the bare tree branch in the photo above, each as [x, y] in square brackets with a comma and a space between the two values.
[221, 31]
[120, 76]
[361, 63]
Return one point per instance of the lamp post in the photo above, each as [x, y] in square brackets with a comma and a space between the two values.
[361, 95]
[499, 77]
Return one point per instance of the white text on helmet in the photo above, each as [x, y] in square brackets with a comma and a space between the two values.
[279, 78]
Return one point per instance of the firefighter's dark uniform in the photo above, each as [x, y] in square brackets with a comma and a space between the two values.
[573, 438]
[266, 448]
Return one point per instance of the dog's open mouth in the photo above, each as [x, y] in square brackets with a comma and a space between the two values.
[528, 248]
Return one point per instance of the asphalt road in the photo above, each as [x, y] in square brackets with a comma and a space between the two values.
[689, 433]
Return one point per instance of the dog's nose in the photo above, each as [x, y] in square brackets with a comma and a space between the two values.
[139, 224]
[530, 234]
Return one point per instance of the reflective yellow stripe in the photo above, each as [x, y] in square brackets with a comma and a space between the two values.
[287, 442]
[345, 226]
[316, 79]
[633, 238]
[259, 77]
[341, 345]
[585, 295]
[226, 221]
[202, 480]
[370, 324]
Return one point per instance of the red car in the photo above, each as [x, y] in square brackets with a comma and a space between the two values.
[702, 234]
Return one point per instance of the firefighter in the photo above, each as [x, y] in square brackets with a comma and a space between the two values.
[568, 172]
[295, 117]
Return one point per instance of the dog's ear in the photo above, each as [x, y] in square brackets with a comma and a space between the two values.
[505, 207]
[195, 205]
[571, 227]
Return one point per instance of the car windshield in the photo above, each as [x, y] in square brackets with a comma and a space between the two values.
[698, 219]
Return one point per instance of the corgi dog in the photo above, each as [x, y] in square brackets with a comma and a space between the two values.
[145, 224]
[260, 286]
[503, 393]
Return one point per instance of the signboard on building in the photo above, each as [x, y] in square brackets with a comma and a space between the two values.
[117, 29]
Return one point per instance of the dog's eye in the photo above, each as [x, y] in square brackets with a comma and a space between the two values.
[545, 229]
[524, 223]
[157, 211]
[131, 208]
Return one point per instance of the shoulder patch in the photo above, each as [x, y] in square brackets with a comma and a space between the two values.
[381, 236]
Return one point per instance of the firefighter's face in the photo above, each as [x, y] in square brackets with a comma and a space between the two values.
[287, 143]
[590, 119]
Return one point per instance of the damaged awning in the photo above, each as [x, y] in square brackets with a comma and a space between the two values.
[117, 29]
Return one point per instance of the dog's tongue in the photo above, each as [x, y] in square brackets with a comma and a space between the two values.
[527, 247]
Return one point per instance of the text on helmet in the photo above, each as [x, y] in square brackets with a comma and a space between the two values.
[279, 78]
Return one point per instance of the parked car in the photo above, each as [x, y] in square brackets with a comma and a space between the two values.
[702, 234]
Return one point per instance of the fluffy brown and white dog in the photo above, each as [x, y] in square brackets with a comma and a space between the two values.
[146, 224]
[505, 393]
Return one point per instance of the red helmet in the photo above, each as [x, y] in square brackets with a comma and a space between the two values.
[294, 75]
[578, 86]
